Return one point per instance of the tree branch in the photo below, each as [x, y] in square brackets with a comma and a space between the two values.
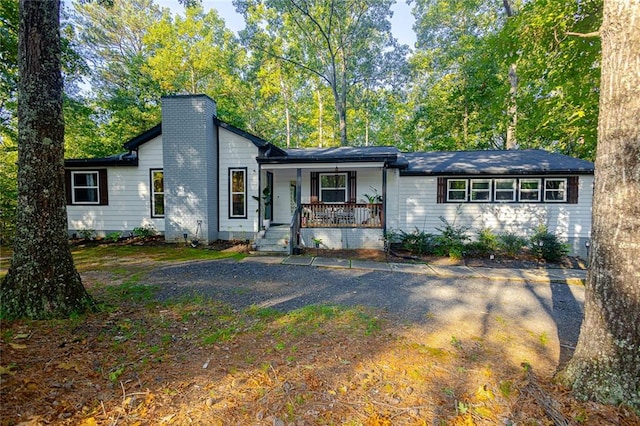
[584, 35]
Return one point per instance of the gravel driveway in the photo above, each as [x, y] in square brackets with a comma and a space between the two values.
[555, 309]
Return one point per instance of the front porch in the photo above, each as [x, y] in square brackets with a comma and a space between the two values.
[343, 215]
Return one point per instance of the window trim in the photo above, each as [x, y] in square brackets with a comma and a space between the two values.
[569, 191]
[465, 190]
[231, 193]
[74, 187]
[564, 190]
[345, 188]
[487, 190]
[513, 190]
[537, 191]
[154, 193]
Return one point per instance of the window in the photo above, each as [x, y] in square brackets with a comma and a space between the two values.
[157, 193]
[555, 190]
[480, 190]
[457, 190]
[85, 188]
[529, 190]
[333, 188]
[237, 193]
[504, 190]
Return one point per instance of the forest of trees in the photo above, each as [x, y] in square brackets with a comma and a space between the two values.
[483, 74]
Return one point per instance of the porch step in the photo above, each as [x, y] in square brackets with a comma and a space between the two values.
[275, 240]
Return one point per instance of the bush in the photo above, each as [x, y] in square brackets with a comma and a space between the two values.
[486, 244]
[86, 233]
[113, 237]
[452, 239]
[511, 244]
[417, 242]
[145, 231]
[545, 245]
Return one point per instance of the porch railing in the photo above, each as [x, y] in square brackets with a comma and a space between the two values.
[347, 215]
[294, 232]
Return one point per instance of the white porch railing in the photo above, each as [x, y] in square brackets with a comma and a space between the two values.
[347, 215]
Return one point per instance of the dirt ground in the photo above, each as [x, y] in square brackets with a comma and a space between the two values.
[402, 256]
[140, 362]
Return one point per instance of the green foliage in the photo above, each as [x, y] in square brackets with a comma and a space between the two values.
[465, 49]
[511, 244]
[486, 243]
[146, 231]
[417, 242]
[545, 245]
[113, 237]
[86, 233]
[344, 45]
[452, 239]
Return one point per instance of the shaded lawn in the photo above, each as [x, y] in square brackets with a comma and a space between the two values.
[198, 361]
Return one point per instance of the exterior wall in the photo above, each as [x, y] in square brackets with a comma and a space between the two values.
[129, 197]
[190, 172]
[417, 208]
[343, 238]
[237, 152]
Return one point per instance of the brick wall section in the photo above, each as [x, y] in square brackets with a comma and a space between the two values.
[190, 167]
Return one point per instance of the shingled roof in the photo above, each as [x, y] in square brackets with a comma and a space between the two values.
[511, 162]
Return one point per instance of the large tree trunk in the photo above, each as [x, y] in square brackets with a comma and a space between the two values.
[606, 364]
[42, 280]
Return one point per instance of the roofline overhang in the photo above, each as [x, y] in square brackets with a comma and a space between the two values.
[502, 173]
[134, 143]
[100, 162]
[387, 159]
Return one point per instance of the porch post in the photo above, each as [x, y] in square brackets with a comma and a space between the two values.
[259, 197]
[384, 200]
[298, 187]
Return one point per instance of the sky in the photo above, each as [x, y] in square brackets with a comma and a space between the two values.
[401, 23]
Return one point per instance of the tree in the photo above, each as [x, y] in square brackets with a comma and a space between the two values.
[606, 363]
[341, 42]
[197, 53]
[42, 280]
[463, 97]
[124, 97]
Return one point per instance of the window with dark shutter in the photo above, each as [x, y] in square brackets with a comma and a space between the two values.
[442, 190]
[315, 187]
[86, 187]
[572, 189]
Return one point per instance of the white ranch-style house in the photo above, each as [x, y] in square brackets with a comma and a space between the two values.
[196, 177]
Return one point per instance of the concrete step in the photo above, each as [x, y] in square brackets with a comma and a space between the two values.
[275, 240]
[272, 248]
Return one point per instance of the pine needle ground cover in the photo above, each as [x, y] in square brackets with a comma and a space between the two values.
[197, 361]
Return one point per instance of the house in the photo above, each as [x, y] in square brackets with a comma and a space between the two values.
[195, 176]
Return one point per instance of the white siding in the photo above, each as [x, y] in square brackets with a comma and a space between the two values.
[129, 197]
[237, 152]
[418, 208]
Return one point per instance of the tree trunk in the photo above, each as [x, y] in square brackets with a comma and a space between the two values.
[512, 110]
[606, 363]
[42, 280]
[320, 120]
[512, 106]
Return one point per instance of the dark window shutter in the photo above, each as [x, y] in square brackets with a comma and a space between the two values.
[351, 196]
[67, 186]
[572, 190]
[103, 188]
[315, 187]
[442, 190]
